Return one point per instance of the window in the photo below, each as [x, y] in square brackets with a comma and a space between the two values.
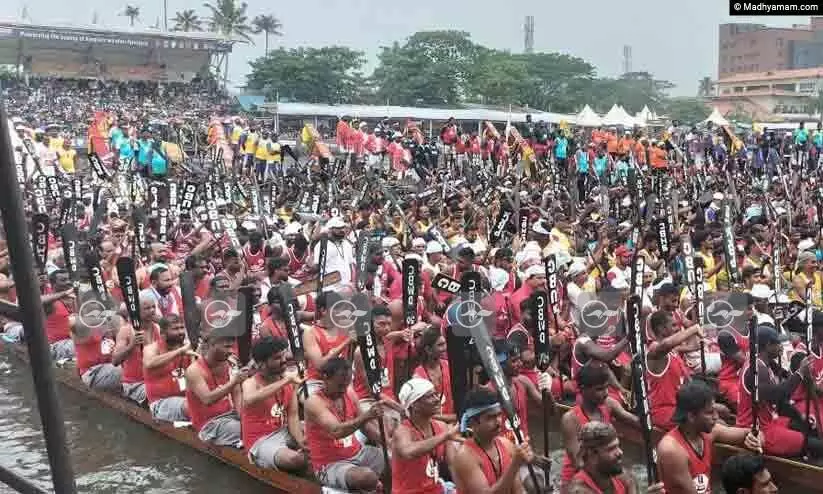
[784, 87]
[806, 87]
[738, 89]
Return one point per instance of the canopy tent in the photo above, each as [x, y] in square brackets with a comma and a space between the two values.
[617, 116]
[402, 112]
[716, 118]
[588, 118]
[642, 117]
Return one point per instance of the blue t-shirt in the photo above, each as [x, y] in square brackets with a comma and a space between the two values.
[801, 136]
[116, 137]
[582, 162]
[126, 150]
[817, 138]
[560, 146]
[144, 152]
[600, 165]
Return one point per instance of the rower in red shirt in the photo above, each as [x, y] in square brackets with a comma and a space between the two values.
[93, 334]
[535, 280]
[435, 368]
[269, 416]
[594, 404]
[165, 361]
[421, 443]
[128, 351]
[322, 344]
[666, 371]
[254, 255]
[602, 469]
[685, 452]
[212, 390]
[486, 459]
[338, 458]
[59, 308]
[780, 439]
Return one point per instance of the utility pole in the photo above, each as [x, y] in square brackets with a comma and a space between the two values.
[528, 31]
[33, 318]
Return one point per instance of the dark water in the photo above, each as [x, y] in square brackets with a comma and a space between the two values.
[110, 453]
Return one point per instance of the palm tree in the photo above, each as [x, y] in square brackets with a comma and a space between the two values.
[268, 24]
[232, 22]
[132, 13]
[705, 87]
[187, 20]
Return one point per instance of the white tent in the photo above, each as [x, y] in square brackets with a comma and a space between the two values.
[588, 118]
[716, 118]
[643, 116]
[617, 116]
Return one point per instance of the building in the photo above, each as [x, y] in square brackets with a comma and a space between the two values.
[749, 48]
[100, 53]
[779, 94]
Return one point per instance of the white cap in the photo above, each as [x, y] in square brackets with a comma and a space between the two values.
[576, 269]
[249, 225]
[498, 278]
[418, 242]
[534, 270]
[389, 242]
[412, 390]
[433, 247]
[761, 291]
[336, 222]
[539, 228]
[414, 257]
[805, 244]
[718, 196]
[293, 228]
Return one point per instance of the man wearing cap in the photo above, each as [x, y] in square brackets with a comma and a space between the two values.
[807, 273]
[685, 452]
[421, 443]
[602, 469]
[780, 439]
[486, 462]
[621, 271]
[800, 397]
[339, 254]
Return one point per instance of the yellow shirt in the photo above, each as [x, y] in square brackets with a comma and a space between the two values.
[250, 146]
[817, 288]
[235, 134]
[710, 282]
[274, 152]
[56, 143]
[66, 159]
[262, 152]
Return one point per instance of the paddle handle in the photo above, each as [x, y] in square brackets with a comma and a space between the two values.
[546, 403]
[519, 438]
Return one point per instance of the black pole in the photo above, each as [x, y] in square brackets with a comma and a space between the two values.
[31, 310]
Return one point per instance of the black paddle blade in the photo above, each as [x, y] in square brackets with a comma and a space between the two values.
[362, 259]
[541, 337]
[191, 315]
[92, 261]
[40, 240]
[411, 290]
[128, 284]
[367, 341]
[71, 243]
[288, 304]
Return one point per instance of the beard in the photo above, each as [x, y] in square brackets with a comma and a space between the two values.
[613, 469]
[175, 340]
[163, 291]
[338, 235]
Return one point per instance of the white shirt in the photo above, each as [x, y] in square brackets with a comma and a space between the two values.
[340, 258]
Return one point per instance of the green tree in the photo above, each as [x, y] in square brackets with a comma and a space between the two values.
[497, 78]
[430, 68]
[269, 25]
[132, 13]
[323, 75]
[230, 20]
[686, 110]
[187, 20]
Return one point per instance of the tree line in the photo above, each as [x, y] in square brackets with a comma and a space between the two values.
[448, 69]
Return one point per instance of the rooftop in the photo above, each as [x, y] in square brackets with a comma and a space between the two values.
[773, 75]
[7, 27]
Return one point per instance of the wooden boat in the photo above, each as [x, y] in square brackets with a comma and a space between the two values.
[788, 472]
[280, 481]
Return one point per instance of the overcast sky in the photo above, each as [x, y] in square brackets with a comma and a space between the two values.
[676, 41]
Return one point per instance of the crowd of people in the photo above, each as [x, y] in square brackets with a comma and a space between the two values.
[549, 219]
